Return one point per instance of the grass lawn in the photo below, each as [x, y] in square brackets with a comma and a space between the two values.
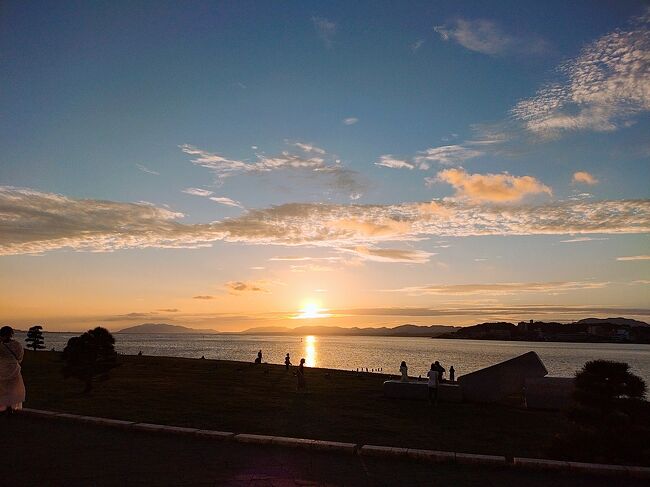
[244, 398]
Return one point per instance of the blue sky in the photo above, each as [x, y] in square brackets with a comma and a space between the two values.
[362, 106]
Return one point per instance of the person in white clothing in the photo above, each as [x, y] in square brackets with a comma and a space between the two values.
[433, 384]
[12, 387]
[403, 369]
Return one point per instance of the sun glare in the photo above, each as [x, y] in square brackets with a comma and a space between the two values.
[311, 310]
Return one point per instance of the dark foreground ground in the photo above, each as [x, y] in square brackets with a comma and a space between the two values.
[57, 453]
[244, 398]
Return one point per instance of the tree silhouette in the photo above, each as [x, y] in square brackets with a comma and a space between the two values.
[602, 382]
[609, 421]
[35, 338]
[90, 355]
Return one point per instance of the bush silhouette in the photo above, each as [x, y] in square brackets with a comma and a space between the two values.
[35, 338]
[609, 421]
[90, 355]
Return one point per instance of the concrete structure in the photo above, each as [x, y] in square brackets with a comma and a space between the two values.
[504, 379]
[420, 390]
[549, 392]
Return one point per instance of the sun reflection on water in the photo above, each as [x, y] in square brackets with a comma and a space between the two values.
[310, 351]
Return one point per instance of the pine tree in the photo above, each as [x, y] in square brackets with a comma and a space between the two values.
[35, 338]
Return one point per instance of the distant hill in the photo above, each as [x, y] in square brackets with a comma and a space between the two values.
[402, 330]
[613, 321]
[163, 328]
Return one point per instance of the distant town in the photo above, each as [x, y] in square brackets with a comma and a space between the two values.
[589, 330]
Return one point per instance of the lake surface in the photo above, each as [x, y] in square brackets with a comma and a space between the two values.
[386, 353]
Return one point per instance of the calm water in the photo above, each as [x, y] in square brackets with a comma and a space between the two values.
[561, 359]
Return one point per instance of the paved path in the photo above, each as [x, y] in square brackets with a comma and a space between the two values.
[54, 452]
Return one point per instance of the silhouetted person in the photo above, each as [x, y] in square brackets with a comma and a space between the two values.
[140, 353]
[452, 373]
[404, 370]
[434, 380]
[202, 357]
[441, 371]
[287, 362]
[301, 376]
[258, 360]
[12, 387]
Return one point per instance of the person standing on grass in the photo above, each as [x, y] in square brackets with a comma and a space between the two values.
[287, 362]
[12, 387]
[302, 385]
[433, 384]
[404, 370]
[441, 370]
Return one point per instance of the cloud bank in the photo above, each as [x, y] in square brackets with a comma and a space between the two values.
[33, 222]
[501, 288]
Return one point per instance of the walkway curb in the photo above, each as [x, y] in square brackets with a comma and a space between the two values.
[620, 471]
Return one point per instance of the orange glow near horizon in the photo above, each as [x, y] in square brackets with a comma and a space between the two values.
[311, 310]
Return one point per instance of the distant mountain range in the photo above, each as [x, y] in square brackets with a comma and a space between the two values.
[407, 330]
[403, 330]
[164, 328]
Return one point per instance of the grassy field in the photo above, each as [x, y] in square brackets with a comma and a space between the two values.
[244, 398]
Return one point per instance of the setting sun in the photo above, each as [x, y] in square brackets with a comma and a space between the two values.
[311, 310]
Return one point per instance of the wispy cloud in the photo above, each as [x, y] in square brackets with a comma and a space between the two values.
[310, 268]
[634, 257]
[583, 239]
[501, 288]
[487, 37]
[308, 159]
[584, 177]
[222, 200]
[446, 155]
[350, 120]
[297, 258]
[391, 255]
[492, 187]
[415, 47]
[197, 192]
[147, 170]
[203, 296]
[326, 29]
[35, 222]
[236, 287]
[388, 160]
[602, 89]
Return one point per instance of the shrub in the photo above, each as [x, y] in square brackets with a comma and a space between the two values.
[609, 421]
[90, 355]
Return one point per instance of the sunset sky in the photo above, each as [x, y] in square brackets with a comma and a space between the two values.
[237, 164]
